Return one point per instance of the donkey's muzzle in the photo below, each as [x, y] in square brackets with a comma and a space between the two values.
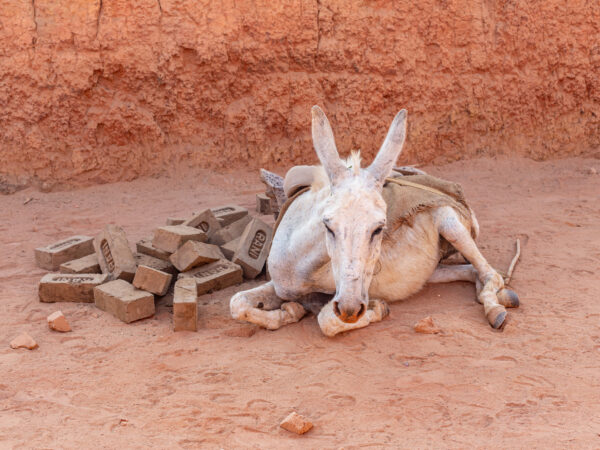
[348, 313]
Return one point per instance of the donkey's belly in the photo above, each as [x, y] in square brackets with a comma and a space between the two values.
[407, 260]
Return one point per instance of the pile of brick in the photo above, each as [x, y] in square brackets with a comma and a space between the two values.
[211, 250]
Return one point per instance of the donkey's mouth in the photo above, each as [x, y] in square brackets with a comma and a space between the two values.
[348, 315]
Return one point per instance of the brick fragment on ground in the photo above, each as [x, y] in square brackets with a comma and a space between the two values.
[67, 287]
[74, 247]
[114, 255]
[170, 238]
[426, 326]
[231, 231]
[214, 276]
[230, 248]
[87, 264]
[145, 247]
[152, 280]
[296, 423]
[175, 220]
[193, 254]
[58, 322]
[23, 341]
[205, 221]
[263, 204]
[124, 301]
[185, 305]
[228, 214]
[253, 249]
[158, 264]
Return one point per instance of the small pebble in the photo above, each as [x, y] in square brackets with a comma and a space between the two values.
[58, 322]
[23, 341]
[593, 171]
[296, 423]
[426, 326]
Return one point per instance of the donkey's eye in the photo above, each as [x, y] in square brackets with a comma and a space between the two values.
[377, 231]
[329, 230]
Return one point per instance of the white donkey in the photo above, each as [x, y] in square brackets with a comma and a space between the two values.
[333, 238]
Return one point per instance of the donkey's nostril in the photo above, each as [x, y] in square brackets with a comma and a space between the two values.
[336, 309]
[361, 311]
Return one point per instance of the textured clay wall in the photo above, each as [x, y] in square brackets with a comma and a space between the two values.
[101, 90]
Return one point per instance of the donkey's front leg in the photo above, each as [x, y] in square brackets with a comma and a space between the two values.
[331, 325]
[491, 291]
[262, 307]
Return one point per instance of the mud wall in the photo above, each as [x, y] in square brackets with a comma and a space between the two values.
[100, 90]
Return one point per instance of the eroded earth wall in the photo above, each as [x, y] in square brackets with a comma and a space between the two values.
[102, 90]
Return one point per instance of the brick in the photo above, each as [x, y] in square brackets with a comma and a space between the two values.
[296, 423]
[67, 287]
[263, 204]
[58, 322]
[253, 249]
[124, 301]
[214, 276]
[87, 264]
[205, 221]
[230, 232]
[114, 255]
[52, 256]
[175, 220]
[158, 264]
[170, 238]
[193, 254]
[185, 305]
[152, 280]
[229, 213]
[145, 246]
[230, 248]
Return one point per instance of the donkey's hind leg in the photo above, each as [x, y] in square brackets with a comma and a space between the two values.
[446, 273]
[262, 307]
[492, 294]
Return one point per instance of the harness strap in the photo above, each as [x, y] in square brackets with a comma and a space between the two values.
[415, 185]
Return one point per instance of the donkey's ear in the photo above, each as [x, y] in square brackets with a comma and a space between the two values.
[325, 146]
[390, 150]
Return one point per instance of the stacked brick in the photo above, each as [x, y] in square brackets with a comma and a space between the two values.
[189, 257]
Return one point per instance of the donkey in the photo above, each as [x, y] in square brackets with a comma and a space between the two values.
[333, 241]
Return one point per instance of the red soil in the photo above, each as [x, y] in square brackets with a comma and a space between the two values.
[111, 385]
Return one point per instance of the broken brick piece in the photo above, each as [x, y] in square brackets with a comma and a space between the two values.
[87, 264]
[68, 287]
[231, 231]
[426, 326]
[170, 238]
[145, 246]
[253, 248]
[214, 276]
[229, 213]
[58, 322]
[263, 204]
[52, 256]
[124, 301]
[185, 305]
[152, 280]
[193, 253]
[205, 221]
[114, 255]
[175, 221]
[23, 341]
[296, 423]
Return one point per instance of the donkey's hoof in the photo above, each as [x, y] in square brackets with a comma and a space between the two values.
[496, 316]
[380, 308]
[508, 298]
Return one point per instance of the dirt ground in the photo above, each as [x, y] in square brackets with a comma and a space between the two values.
[111, 385]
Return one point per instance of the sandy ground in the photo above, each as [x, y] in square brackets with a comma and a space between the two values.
[111, 385]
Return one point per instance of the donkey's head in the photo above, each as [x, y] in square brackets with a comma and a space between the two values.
[354, 216]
